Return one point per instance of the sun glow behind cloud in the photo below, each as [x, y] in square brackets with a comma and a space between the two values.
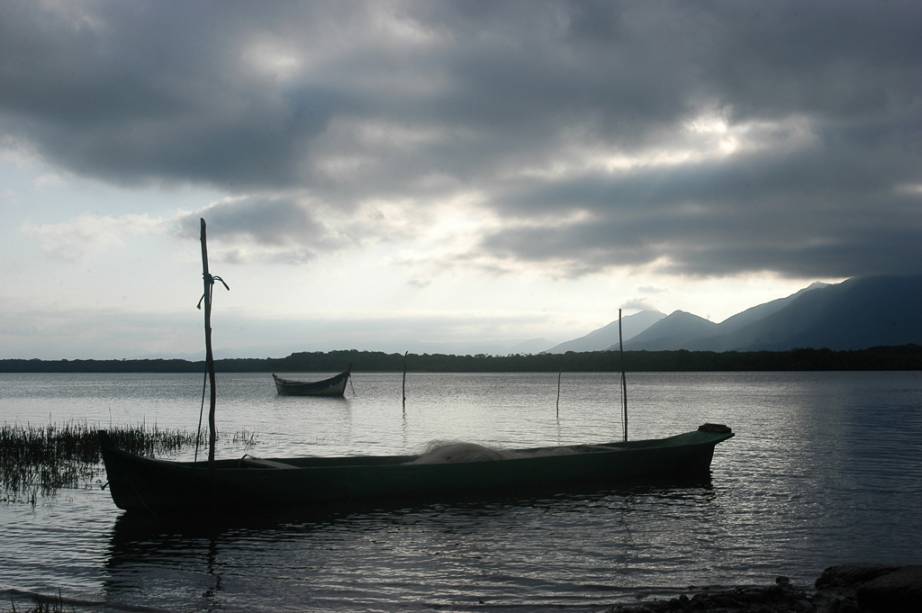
[273, 58]
[707, 138]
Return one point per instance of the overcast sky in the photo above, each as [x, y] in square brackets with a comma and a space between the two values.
[441, 176]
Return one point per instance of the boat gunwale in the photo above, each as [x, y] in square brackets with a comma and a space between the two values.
[386, 462]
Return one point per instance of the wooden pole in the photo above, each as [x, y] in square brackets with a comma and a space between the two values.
[404, 386]
[558, 394]
[623, 377]
[208, 282]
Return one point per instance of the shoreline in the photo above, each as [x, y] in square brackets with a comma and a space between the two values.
[890, 358]
[839, 589]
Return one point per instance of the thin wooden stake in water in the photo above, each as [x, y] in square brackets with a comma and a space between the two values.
[623, 377]
[558, 394]
[404, 386]
[208, 281]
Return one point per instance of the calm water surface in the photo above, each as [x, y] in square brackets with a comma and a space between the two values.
[825, 468]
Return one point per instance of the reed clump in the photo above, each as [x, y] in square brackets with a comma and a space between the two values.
[42, 604]
[39, 460]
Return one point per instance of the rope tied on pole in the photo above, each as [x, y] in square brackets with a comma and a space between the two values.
[210, 279]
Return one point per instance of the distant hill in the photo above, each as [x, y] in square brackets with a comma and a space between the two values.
[607, 336]
[855, 314]
[676, 331]
[751, 315]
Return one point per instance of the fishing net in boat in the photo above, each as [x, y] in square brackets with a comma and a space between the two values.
[454, 452]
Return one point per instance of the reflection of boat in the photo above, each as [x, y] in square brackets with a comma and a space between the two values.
[159, 486]
[334, 386]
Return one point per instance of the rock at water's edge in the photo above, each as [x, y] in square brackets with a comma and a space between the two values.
[897, 591]
[840, 589]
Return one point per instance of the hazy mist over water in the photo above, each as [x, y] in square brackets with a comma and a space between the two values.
[824, 469]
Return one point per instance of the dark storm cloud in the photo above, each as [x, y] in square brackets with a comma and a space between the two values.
[131, 91]
[273, 228]
[419, 100]
[812, 213]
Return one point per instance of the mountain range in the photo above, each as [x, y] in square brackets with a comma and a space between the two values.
[855, 314]
[607, 336]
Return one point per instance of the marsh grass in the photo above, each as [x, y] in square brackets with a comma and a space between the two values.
[42, 604]
[39, 460]
[246, 438]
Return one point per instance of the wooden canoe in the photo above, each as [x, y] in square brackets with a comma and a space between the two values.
[247, 484]
[335, 386]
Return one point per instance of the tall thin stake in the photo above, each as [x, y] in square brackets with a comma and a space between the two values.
[623, 377]
[558, 394]
[208, 282]
[404, 386]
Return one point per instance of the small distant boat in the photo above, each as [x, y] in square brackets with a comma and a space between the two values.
[335, 386]
[253, 484]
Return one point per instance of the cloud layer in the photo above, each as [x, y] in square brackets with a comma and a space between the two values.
[710, 138]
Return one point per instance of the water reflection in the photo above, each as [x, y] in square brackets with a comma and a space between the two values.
[824, 469]
[154, 564]
[453, 553]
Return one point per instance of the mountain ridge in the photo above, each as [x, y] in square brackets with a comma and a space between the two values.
[855, 314]
[858, 313]
[606, 336]
[677, 327]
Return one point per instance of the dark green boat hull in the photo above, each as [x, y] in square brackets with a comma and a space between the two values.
[334, 387]
[158, 486]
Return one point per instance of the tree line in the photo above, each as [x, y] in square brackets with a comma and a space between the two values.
[903, 357]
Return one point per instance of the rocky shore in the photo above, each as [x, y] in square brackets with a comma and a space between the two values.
[839, 589]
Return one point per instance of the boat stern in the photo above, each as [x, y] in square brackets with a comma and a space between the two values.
[118, 482]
